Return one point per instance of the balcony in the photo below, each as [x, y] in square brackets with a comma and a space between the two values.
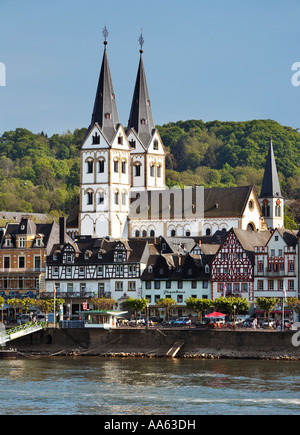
[21, 271]
[63, 295]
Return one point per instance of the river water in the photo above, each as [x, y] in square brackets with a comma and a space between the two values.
[92, 385]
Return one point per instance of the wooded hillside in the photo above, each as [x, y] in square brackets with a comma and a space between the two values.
[41, 175]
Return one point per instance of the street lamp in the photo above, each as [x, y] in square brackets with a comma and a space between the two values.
[147, 316]
[234, 308]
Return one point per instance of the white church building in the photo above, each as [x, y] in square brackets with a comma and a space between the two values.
[119, 167]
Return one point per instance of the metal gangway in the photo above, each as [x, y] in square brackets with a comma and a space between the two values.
[20, 331]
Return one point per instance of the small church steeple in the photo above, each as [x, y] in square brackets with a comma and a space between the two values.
[141, 118]
[105, 111]
[270, 198]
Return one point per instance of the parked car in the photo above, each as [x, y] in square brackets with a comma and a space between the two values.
[121, 321]
[248, 322]
[24, 318]
[138, 322]
[267, 324]
[182, 321]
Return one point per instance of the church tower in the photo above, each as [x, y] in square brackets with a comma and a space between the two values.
[105, 165]
[271, 200]
[147, 150]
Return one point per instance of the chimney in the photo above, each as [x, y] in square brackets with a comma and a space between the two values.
[62, 230]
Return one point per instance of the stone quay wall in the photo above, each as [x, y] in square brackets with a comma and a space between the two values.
[192, 343]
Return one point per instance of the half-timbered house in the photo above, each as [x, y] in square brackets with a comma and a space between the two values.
[93, 267]
[232, 269]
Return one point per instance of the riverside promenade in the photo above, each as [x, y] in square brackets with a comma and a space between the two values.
[159, 342]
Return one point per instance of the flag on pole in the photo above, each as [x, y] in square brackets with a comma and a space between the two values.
[284, 290]
[224, 290]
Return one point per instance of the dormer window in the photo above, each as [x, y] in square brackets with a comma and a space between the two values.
[132, 144]
[7, 243]
[120, 140]
[21, 242]
[155, 145]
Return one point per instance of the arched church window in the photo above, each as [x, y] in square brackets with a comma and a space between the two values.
[173, 233]
[96, 139]
[277, 211]
[159, 171]
[120, 140]
[137, 170]
[123, 167]
[152, 233]
[90, 166]
[89, 198]
[207, 232]
[137, 233]
[250, 227]
[116, 198]
[101, 166]
[132, 144]
[100, 197]
[116, 166]
[155, 145]
[152, 170]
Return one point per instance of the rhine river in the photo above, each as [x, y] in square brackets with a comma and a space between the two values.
[92, 385]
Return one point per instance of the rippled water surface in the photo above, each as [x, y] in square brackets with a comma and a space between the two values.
[148, 386]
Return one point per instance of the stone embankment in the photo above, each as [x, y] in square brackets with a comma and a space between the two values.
[157, 343]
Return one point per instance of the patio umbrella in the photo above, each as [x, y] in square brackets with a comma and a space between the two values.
[215, 315]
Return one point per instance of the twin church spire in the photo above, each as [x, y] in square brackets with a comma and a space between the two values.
[105, 112]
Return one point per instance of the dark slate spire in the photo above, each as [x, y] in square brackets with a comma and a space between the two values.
[270, 185]
[141, 118]
[105, 111]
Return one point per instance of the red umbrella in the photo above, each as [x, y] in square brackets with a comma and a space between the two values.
[215, 314]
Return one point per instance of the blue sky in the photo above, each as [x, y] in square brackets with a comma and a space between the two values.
[205, 59]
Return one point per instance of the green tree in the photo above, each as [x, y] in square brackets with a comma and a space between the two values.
[27, 303]
[103, 303]
[198, 305]
[15, 304]
[46, 306]
[1, 306]
[267, 304]
[167, 304]
[136, 305]
[227, 304]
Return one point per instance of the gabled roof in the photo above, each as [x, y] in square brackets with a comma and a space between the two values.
[105, 111]
[270, 185]
[289, 236]
[141, 118]
[226, 201]
[250, 239]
